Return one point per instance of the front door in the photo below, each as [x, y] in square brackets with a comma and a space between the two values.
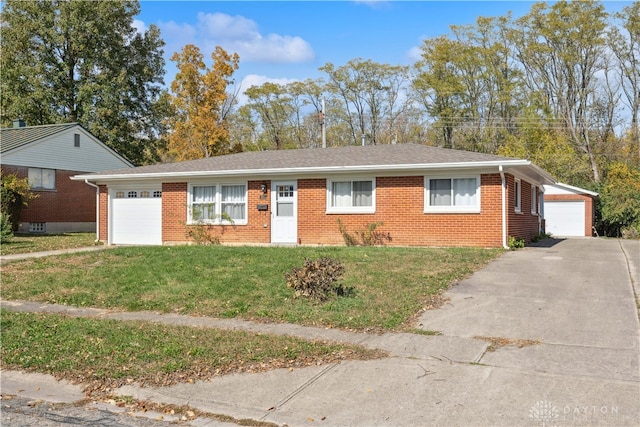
[284, 212]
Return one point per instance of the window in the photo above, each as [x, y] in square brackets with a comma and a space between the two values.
[209, 203]
[132, 194]
[534, 200]
[42, 179]
[459, 194]
[119, 194]
[518, 195]
[233, 202]
[76, 140]
[157, 194]
[356, 196]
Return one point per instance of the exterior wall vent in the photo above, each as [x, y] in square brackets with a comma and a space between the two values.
[37, 227]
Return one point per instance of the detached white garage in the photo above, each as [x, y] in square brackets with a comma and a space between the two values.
[568, 211]
[136, 217]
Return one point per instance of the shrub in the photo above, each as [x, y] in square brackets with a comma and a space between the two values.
[367, 237]
[6, 228]
[15, 193]
[515, 243]
[317, 279]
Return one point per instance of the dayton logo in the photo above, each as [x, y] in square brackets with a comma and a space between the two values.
[544, 412]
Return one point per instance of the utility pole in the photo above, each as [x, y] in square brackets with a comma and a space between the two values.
[324, 126]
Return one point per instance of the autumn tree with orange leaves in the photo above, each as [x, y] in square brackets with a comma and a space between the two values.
[200, 104]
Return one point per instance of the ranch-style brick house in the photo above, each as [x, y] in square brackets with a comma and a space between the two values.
[420, 196]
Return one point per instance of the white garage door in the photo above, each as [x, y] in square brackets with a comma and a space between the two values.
[564, 218]
[136, 217]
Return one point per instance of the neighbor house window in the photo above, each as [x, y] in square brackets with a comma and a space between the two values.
[534, 200]
[42, 179]
[351, 196]
[518, 195]
[452, 194]
[217, 203]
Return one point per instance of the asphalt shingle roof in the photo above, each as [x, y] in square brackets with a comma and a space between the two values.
[12, 138]
[335, 157]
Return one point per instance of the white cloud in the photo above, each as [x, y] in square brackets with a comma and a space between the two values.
[257, 80]
[236, 34]
[415, 54]
[140, 26]
[220, 26]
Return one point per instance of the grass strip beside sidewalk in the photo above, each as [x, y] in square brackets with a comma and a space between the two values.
[104, 354]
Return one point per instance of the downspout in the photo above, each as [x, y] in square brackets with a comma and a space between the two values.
[505, 245]
[86, 181]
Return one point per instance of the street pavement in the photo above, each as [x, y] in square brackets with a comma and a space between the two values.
[547, 335]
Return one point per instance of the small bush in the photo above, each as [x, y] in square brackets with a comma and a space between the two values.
[515, 243]
[199, 233]
[6, 228]
[317, 279]
[367, 237]
[540, 237]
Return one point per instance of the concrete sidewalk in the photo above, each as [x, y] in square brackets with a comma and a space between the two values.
[15, 257]
[573, 302]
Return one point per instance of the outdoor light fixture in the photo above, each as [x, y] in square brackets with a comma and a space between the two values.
[263, 188]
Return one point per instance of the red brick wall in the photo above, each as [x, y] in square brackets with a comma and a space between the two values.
[400, 207]
[174, 212]
[523, 225]
[103, 215]
[71, 201]
[589, 213]
[174, 217]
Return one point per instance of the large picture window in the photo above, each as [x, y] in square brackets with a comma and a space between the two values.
[351, 196]
[218, 203]
[452, 194]
[42, 179]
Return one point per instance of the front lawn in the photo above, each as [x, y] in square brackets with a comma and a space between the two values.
[104, 354]
[26, 243]
[390, 285]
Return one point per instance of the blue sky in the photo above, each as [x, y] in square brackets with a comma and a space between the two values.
[283, 41]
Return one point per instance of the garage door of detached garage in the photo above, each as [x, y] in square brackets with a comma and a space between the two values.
[564, 218]
[136, 217]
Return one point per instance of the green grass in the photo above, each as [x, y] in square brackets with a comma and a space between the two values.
[390, 284]
[27, 243]
[103, 354]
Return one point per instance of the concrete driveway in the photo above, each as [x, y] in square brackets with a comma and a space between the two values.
[576, 297]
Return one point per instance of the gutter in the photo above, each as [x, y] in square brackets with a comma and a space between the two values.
[86, 181]
[505, 244]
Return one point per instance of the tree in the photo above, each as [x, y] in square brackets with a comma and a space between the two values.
[620, 200]
[561, 48]
[85, 62]
[371, 96]
[275, 109]
[200, 104]
[625, 43]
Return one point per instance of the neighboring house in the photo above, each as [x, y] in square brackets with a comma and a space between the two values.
[48, 156]
[423, 196]
[569, 211]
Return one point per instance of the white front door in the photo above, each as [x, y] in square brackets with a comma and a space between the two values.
[284, 212]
